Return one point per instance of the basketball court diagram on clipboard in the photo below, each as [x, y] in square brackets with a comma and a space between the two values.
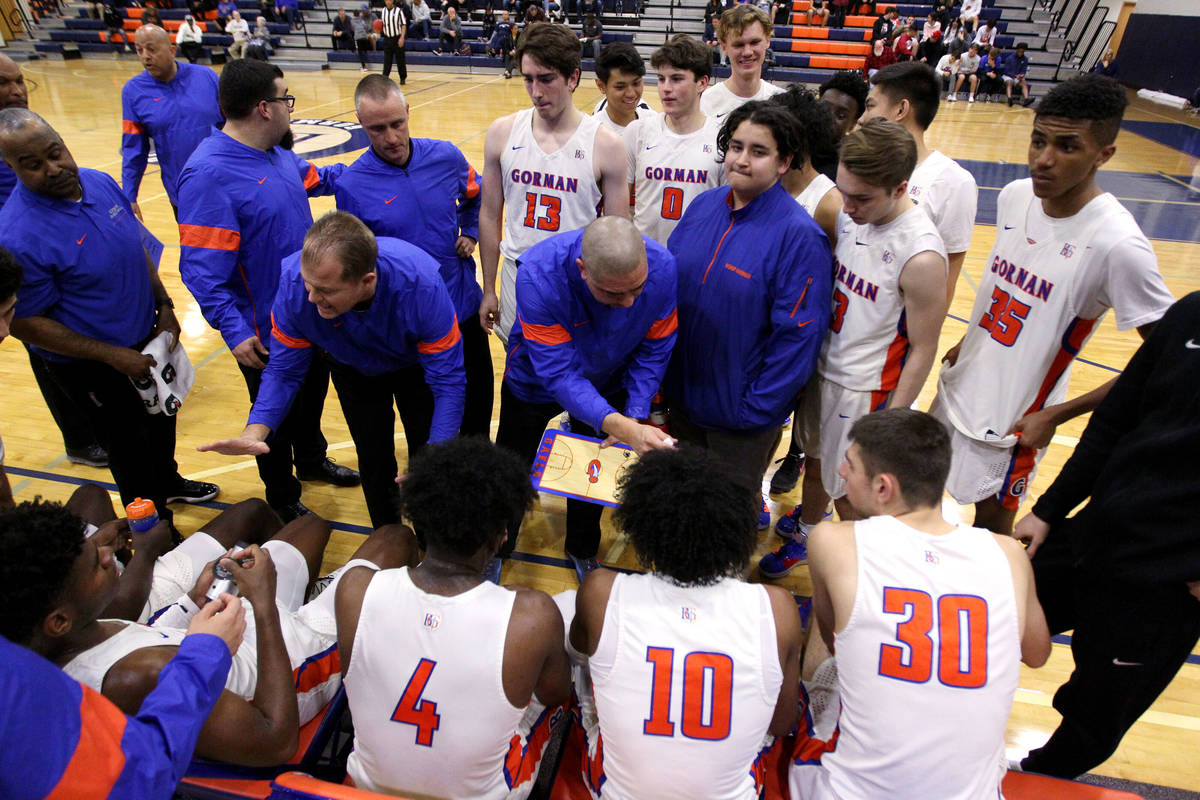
[574, 466]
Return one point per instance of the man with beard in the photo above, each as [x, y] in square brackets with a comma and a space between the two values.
[243, 206]
[65, 310]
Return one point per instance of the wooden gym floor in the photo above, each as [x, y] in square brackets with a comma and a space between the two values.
[82, 100]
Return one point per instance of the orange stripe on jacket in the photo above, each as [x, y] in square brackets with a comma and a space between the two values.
[664, 327]
[285, 340]
[128, 126]
[315, 671]
[312, 178]
[545, 334]
[472, 182]
[98, 759]
[442, 344]
[210, 238]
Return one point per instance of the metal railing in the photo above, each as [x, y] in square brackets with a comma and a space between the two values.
[1085, 29]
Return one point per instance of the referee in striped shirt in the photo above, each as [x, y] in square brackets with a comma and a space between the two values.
[395, 28]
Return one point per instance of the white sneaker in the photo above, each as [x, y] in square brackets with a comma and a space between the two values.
[971, 98]
[950, 98]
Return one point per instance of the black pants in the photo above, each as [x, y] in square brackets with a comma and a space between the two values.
[141, 446]
[71, 419]
[393, 51]
[1129, 640]
[837, 16]
[746, 453]
[367, 405]
[477, 361]
[521, 427]
[449, 43]
[297, 440]
[192, 51]
[363, 46]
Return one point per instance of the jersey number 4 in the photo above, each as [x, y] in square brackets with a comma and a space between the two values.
[1004, 317]
[707, 694]
[960, 646]
[412, 710]
[552, 206]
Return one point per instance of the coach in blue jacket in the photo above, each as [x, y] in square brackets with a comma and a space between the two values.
[595, 327]
[755, 276]
[382, 318]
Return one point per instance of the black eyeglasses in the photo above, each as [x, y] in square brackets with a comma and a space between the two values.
[287, 100]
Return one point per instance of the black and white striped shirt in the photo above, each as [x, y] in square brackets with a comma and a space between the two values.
[393, 20]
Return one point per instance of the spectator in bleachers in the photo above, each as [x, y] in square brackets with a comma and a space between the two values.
[363, 25]
[712, 12]
[451, 35]
[932, 25]
[1016, 66]
[985, 35]
[905, 45]
[259, 45]
[1107, 66]
[968, 72]
[885, 26]
[489, 21]
[503, 41]
[189, 39]
[535, 13]
[225, 11]
[837, 16]
[955, 39]
[114, 23]
[421, 20]
[990, 74]
[343, 31]
[941, 12]
[880, 56]
[931, 50]
[150, 16]
[818, 12]
[266, 10]
[969, 14]
[619, 73]
[846, 94]
[239, 29]
[592, 33]
[289, 12]
[745, 34]
[947, 69]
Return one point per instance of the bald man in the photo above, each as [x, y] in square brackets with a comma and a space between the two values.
[594, 331]
[74, 235]
[173, 104]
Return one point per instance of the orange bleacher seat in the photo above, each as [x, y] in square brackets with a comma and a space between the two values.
[809, 32]
[860, 21]
[836, 62]
[134, 12]
[299, 786]
[1028, 786]
[831, 48]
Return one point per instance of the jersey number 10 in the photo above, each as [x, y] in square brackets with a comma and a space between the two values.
[707, 682]
[960, 646]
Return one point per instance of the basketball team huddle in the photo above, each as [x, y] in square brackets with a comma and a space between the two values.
[748, 255]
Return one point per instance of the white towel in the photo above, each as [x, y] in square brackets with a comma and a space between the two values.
[170, 379]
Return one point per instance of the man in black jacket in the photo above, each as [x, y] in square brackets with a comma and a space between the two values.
[1124, 572]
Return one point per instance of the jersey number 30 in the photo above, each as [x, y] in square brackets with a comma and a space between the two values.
[707, 694]
[959, 647]
[412, 710]
[552, 206]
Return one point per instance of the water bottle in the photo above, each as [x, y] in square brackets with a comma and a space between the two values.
[142, 515]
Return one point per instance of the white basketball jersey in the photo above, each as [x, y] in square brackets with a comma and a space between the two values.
[426, 691]
[668, 171]
[927, 665]
[546, 193]
[948, 194]
[868, 340]
[811, 196]
[685, 682]
[717, 101]
[1046, 285]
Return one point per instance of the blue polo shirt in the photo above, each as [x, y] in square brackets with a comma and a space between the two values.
[429, 202]
[178, 115]
[8, 181]
[83, 261]
[566, 347]
[241, 211]
[409, 321]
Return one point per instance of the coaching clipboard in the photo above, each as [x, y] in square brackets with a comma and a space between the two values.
[576, 467]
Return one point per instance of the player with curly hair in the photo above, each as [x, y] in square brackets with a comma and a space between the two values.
[688, 635]
[477, 669]
[1065, 253]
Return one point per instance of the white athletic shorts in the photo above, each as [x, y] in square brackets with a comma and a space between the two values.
[176, 572]
[508, 298]
[829, 411]
[979, 470]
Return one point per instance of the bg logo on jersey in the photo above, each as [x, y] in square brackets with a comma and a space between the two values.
[317, 138]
